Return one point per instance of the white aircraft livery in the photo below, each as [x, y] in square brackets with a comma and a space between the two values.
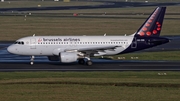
[68, 49]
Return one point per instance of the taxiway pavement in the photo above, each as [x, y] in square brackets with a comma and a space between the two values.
[113, 65]
[105, 4]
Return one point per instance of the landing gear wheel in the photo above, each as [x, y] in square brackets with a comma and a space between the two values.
[32, 60]
[81, 61]
[89, 63]
[32, 63]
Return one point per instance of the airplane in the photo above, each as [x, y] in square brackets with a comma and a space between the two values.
[67, 49]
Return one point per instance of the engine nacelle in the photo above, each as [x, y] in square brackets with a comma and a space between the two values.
[67, 57]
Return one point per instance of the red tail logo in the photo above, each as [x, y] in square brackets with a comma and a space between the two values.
[152, 26]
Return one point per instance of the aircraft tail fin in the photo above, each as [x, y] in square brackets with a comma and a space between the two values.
[153, 25]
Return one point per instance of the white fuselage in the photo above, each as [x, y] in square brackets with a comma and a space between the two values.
[53, 45]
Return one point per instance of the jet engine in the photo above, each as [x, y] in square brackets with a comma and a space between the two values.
[67, 57]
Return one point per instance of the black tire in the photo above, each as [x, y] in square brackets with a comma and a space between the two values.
[81, 61]
[89, 63]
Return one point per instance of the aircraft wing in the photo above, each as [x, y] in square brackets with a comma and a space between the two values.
[94, 49]
[89, 50]
[98, 48]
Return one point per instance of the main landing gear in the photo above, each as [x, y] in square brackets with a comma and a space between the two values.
[32, 60]
[88, 62]
[81, 61]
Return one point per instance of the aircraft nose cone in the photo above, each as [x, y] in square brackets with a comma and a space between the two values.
[10, 49]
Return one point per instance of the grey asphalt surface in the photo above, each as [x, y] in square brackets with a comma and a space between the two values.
[105, 65]
[106, 4]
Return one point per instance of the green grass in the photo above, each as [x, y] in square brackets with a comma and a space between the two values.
[43, 92]
[15, 27]
[88, 86]
[161, 55]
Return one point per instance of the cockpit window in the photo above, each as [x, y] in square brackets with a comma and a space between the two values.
[19, 42]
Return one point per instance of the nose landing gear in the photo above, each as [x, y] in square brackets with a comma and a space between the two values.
[32, 60]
